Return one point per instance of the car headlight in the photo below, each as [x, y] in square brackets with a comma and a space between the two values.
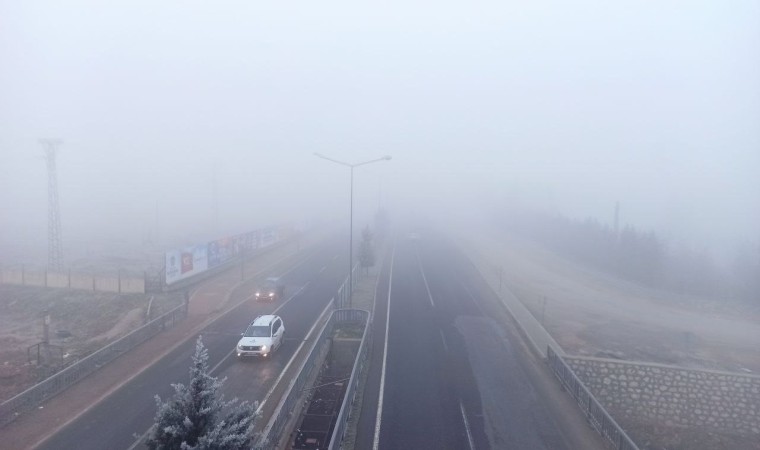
[271, 294]
[263, 348]
[258, 293]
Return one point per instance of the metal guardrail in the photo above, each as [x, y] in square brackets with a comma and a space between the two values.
[599, 418]
[57, 383]
[350, 315]
[282, 415]
[284, 412]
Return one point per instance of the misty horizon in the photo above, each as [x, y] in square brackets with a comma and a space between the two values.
[170, 116]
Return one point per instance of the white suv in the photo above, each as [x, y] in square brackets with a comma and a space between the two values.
[262, 337]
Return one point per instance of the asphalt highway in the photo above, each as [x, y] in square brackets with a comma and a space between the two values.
[451, 375]
[116, 422]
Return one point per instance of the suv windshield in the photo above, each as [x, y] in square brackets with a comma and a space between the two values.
[257, 331]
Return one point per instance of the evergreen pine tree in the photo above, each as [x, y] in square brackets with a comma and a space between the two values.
[190, 420]
[366, 252]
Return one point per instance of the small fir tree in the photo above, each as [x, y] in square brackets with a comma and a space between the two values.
[198, 418]
[366, 252]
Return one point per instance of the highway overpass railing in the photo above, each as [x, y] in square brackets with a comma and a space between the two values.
[288, 408]
[599, 418]
[339, 431]
[57, 383]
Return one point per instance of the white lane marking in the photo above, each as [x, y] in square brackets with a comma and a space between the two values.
[467, 426]
[322, 269]
[335, 257]
[443, 339]
[427, 288]
[292, 358]
[213, 369]
[379, 417]
[232, 352]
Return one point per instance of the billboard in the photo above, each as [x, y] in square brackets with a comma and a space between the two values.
[186, 262]
[189, 261]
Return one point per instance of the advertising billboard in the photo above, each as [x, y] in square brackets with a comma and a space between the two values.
[186, 262]
[189, 261]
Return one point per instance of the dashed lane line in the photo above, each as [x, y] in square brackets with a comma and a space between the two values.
[470, 441]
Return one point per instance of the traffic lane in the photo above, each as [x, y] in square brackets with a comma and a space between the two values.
[512, 413]
[438, 263]
[365, 428]
[420, 408]
[251, 378]
[307, 281]
[129, 411]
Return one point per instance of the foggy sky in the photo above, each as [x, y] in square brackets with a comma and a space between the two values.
[569, 106]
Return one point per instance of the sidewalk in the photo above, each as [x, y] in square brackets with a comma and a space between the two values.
[207, 302]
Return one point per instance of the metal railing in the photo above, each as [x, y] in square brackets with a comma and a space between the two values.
[350, 315]
[287, 407]
[276, 426]
[57, 383]
[599, 418]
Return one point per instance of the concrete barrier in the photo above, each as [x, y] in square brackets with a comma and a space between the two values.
[12, 276]
[63, 280]
[133, 285]
[34, 278]
[57, 280]
[485, 263]
[106, 284]
[82, 281]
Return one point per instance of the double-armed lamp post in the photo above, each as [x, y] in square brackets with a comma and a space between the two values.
[351, 218]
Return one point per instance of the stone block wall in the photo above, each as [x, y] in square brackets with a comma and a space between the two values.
[673, 396]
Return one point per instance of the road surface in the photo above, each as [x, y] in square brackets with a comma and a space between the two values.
[454, 372]
[115, 422]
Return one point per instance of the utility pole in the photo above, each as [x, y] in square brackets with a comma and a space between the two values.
[55, 255]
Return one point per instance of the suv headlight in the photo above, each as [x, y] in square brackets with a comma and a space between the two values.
[263, 348]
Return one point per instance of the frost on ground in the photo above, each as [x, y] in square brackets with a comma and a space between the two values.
[591, 313]
[80, 323]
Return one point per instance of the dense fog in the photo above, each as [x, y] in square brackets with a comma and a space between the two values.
[187, 120]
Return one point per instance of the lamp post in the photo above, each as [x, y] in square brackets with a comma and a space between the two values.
[351, 218]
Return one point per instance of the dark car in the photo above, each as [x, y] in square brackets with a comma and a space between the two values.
[271, 290]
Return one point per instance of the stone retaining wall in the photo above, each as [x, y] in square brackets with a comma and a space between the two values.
[673, 396]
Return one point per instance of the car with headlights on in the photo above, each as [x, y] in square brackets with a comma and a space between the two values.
[271, 290]
[262, 337]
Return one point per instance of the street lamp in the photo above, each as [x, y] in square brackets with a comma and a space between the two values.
[351, 218]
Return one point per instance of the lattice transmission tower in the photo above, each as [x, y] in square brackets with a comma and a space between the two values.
[55, 255]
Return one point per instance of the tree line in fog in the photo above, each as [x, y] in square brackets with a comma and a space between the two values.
[644, 257]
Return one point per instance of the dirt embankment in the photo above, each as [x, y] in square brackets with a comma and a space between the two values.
[80, 323]
[592, 313]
